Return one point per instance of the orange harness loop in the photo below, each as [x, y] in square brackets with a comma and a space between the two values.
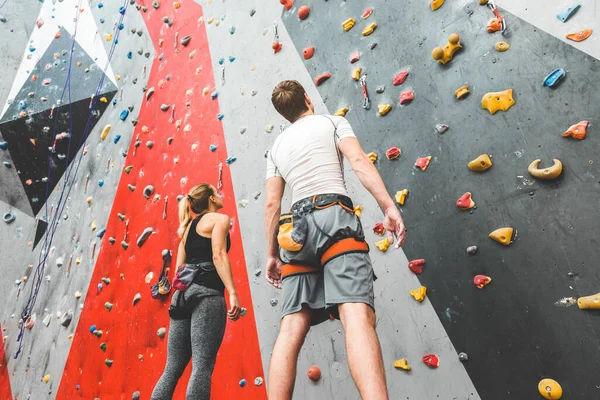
[294, 269]
[349, 245]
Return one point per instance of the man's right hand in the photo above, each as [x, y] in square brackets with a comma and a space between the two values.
[394, 224]
[273, 271]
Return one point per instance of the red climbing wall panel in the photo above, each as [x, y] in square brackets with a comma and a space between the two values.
[130, 331]
[5, 391]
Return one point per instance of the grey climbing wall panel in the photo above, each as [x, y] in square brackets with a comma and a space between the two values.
[512, 330]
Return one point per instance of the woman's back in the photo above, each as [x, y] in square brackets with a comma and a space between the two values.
[198, 243]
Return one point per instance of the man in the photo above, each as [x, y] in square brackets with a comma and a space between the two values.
[317, 252]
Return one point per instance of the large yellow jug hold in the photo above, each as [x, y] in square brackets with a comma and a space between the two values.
[502, 235]
[591, 302]
[550, 389]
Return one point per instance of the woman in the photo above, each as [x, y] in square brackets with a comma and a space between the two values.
[198, 315]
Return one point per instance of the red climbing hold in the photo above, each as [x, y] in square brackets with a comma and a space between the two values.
[431, 360]
[423, 162]
[393, 153]
[465, 202]
[367, 13]
[416, 266]
[322, 78]
[287, 3]
[354, 57]
[308, 52]
[276, 46]
[303, 12]
[379, 229]
[314, 373]
[407, 97]
[481, 281]
[400, 78]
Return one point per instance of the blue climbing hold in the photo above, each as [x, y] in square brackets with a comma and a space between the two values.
[92, 328]
[101, 20]
[568, 13]
[231, 160]
[232, 30]
[221, 61]
[214, 95]
[116, 139]
[129, 55]
[3, 145]
[7, 164]
[121, 26]
[100, 5]
[115, 101]
[231, 58]
[101, 233]
[77, 387]
[101, 182]
[220, 116]
[242, 382]
[124, 115]
[554, 78]
[116, 40]
[31, 49]
[122, 10]
[212, 147]
[100, 286]
[22, 105]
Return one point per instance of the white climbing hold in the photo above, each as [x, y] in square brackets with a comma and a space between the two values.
[161, 332]
[258, 381]
[137, 298]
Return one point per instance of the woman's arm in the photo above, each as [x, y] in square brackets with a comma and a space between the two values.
[181, 256]
[221, 261]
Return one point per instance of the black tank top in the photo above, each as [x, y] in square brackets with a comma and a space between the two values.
[199, 249]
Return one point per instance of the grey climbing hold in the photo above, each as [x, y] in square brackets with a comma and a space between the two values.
[471, 250]
[66, 318]
[131, 187]
[112, 240]
[144, 236]
[161, 332]
[161, 56]
[47, 319]
[7, 164]
[2, 18]
[148, 191]
[256, 195]
[97, 332]
[185, 40]
[156, 4]
[149, 93]
[372, 46]
[169, 140]
[257, 272]
[252, 12]
[128, 169]
[60, 261]
[463, 357]
[164, 107]
[137, 143]
[273, 302]
[121, 216]
[441, 128]
[139, 33]
[253, 92]
[136, 298]
[106, 281]
[149, 144]
[243, 130]
[258, 381]
[108, 305]
[135, 396]
[243, 311]
[103, 346]
[380, 89]
[108, 362]
[125, 245]
[9, 217]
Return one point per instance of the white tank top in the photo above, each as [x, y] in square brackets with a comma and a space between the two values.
[306, 156]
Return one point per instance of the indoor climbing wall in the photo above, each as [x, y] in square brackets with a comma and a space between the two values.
[112, 109]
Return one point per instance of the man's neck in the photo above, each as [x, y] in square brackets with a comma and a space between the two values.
[309, 112]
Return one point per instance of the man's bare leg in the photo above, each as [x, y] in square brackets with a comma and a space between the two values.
[282, 369]
[364, 351]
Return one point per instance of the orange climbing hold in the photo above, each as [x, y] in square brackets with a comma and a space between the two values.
[502, 235]
[577, 131]
[287, 4]
[176, 5]
[308, 52]
[423, 162]
[481, 281]
[314, 373]
[303, 12]
[465, 202]
[276, 46]
[580, 36]
[591, 302]
[322, 78]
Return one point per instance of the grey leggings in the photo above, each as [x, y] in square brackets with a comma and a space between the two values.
[198, 338]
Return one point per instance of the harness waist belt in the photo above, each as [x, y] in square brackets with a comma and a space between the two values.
[322, 201]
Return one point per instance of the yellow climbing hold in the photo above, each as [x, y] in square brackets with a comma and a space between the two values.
[176, 5]
[435, 4]
[358, 210]
[108, 37]
[480, 164]
[372, 156]
[591, 302]
[192, 54]
[205, 90]
[210, 20]
[47, 378]
[502, 46]
[348, 24]
[118, 77]
[495, 101]
[550, 389]
[419, 294]
[103, 100]
[545, 173]
[401, 196]
[383, 244]
[89, 200]
[105, 131]
[445, 54]
[462, 92]
[402, 364]
[341, 112]
[217, 22]
[77, 294]
[93, 226]
[384, 108]
[78, 260]
[483, 2]
[502, 235]
[369, 29]
[356, 73]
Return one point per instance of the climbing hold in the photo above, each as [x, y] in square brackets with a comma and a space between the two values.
[480, 164]
[220, 116]
[419, 294]
[580, 36]
[591, 302]
[577, 131]
[367, 13]
[554, 78]
[502, 235]
[164, 107]
[108, 305]
[416, 266]
[383, 244]
[550, 389]
[9, 217]
[546, 173]
[89, 200]
[341, 112]
[471, 250]
[384, 108]
[148, 191]
[400, 78]
[565, 15]
[303, 12]
[269, 128]
[380, 89]
[3, 145]
[372, 45]
[354, 57]
[465, 202]
[136, 298]
[212, 147]
[231, 30]
[401, 196]
[435, 4]
[136, 395]
[356, 73]
[502, 46]
[258, 381]
[116, 139]
[108, 37]
[46, 378]
[287, 4]
[358, 210]
[322, 78]
[105, 280]
[66, 318]
[481, 281]
[441, 128]
[348, 24]
[103, 346]
[431, 360]
[185, 40]
[308, 52]
[406, 97]
[393, 153]
[149, 93]
[97, 332]
[108, 362]
[161, 332]
[144, 236]
[494, 101]
[242, 382]
[214, 95]
[462, 92]
[463, 357]
[423, 162]
[149, 144]
[121, 216]
[368, 30]
[273, 302]
[402, 364]
[123, 115]
[276, 46]
[445, 54]
[156, 4]
[314, 373]
[379, 229]
[230, 160]
[372, 156]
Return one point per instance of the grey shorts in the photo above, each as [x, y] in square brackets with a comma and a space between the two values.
[346, 278]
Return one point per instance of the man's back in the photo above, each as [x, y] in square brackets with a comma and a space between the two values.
[306, 156]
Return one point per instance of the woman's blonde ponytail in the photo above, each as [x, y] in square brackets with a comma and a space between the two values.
[195, 201]
[185, 216]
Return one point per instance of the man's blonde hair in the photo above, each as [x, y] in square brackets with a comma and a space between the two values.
[288, 99]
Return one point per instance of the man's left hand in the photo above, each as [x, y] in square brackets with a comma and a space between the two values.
[273, 271]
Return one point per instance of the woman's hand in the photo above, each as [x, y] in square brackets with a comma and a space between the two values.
[234, 307]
